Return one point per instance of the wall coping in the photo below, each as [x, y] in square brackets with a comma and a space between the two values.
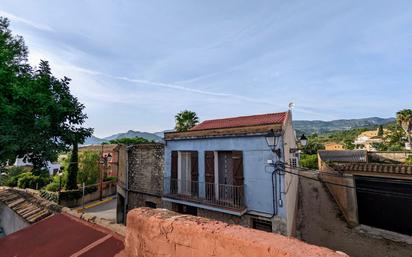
[159, 232]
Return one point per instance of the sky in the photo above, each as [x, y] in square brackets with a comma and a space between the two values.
[135, 64]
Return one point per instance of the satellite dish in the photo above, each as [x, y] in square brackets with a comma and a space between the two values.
[291, 105]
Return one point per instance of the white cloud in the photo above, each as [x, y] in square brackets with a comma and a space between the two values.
[25, 21]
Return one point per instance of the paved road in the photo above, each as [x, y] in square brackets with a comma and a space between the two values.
[105, 211]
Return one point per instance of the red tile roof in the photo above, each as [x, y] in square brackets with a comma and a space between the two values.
[243, 121]
[61, 235]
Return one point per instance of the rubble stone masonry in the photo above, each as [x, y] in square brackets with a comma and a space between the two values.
[146, 164]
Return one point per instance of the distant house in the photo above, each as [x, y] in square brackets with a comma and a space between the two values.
[367, 139]
[52, 167]
[334, 146]
[222, 169]
[105, 150]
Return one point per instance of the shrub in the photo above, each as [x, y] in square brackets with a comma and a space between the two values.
[409, 160]
[28, 180]
[55, 183]
[53, 187]
[309, 161]
[11, 175]
[110, 178]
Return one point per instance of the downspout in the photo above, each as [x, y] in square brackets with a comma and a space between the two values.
[276, 177]
[274, 194]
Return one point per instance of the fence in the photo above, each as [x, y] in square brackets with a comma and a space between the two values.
[221, 195]
[73, 198]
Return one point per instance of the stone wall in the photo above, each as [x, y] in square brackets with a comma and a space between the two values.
[321, 222]
[157, 232]
[145, 175]
[136, 200]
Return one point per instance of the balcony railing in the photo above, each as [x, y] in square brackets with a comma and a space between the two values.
[219, 195]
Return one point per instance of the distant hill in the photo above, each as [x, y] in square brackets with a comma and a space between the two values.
[301, 126]
[129, 134]
[318, 126]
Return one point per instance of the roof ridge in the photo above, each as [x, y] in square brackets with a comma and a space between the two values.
[247, 116]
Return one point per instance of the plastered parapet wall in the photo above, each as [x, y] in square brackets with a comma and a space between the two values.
[158, 232]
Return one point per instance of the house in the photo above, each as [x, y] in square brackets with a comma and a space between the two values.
[223, 169]
[52, 167]
[334, 146]
[105, 150]
[367, 139]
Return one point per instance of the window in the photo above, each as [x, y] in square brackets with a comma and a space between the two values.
[224, 177]
[150, 204]
[294, 162]
[264, 225]
[184, 209]
[184, 173]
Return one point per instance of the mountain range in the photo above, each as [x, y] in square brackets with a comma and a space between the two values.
[302, 126]
[319, 127]
[129, 134]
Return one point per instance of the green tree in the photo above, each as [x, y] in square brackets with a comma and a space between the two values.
[88, 167]
[130, 141]
[39, 116]
[73, 169]
[404, 119]
[313, 147]
[380, 131]
[409, 160]
[186, 120]
[394, 140]
[309, 161]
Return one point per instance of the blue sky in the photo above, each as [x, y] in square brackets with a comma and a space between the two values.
[135, 64]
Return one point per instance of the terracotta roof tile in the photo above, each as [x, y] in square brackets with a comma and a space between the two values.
[24, 205]
[253, 120]
[373, 167]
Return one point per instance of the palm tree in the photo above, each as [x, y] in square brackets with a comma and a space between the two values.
[186, 120]
[404, 119]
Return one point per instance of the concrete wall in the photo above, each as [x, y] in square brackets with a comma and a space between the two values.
[321, 222]
[291, 181]
[257, 174]
[345, 196]
[10, 221]
[108, 190]
[164, 233]
[389, 157]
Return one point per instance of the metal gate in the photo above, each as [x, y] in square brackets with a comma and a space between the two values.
[385, 203]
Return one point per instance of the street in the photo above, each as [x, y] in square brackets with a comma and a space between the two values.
[105, 210]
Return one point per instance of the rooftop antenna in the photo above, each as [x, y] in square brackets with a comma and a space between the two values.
[291, 106]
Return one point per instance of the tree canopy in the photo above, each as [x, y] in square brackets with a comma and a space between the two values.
[186, 120]
[38, 114]
[130, 140]
[404, 119]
